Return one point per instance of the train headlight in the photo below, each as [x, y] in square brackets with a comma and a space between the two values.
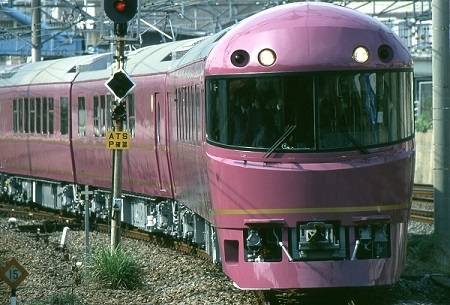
[254, 240]
[267, 57]
[361, 54]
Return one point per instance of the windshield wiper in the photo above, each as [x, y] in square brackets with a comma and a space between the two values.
[283, 137]
[356, 143]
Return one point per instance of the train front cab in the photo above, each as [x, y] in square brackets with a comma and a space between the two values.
[316, 191]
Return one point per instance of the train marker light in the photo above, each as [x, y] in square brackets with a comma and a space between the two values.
[240, 58]
[267, 57]
[120, 84]
[385, 53]
[120, 11]
[360, 54]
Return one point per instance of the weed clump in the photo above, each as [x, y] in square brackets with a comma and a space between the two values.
[115, 269]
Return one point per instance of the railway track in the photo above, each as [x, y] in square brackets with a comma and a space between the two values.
[423, 203]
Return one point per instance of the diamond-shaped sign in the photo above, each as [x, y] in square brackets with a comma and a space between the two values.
[13, 273]
[120, 84]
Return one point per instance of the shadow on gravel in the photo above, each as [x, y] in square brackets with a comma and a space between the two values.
[414, 291]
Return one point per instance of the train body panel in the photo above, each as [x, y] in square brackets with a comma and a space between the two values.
[283, 146]
[145, 168]
[310, 189]
[185, 88]
[42, 139]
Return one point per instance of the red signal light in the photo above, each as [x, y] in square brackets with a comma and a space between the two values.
[120, 11]
[120, 6]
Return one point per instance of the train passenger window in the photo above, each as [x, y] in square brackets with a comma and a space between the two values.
[26, 120]
[197, 114]
[51, 115]
[81, 116]
[15, 116]
[32, 116]
[64, 122]
[103, 111]
[96, 117]
[100, 115]
[20, 115]
[44, 115]
[38, 115]
[131, 124]
[310, 111]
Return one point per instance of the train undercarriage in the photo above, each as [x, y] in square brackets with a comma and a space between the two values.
[155, 215]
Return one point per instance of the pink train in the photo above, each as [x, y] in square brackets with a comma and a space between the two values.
[283, 146]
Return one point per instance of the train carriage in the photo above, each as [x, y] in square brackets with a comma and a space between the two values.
[315, 192]
[283, 146]
[35, 136]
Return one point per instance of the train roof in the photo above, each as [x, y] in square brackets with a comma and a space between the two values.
[200, 49]
[147, 60]
[306, 36]
[51, 71]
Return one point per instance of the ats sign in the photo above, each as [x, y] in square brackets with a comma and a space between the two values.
[118, 140]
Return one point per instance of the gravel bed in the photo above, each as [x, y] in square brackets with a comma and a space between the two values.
[170, 277]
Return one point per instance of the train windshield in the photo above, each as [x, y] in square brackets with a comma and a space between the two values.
[310, 111]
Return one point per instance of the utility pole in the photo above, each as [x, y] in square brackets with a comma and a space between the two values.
[441, 116]
[120, 12]
[36, 30]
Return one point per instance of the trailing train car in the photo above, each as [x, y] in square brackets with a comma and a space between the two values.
[283, 146]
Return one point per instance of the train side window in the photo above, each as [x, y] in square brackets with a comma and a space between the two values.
[20, 114]
[64, 116]
[158, 116]
[15, 116]
[103, 111]
[197, 114]
[32, 116]
[26, 113]
[177, 110]
[131, 115]
[109, 102]
[96, 117]
[81, 116]
[51, 116]
[44, 115]
[38, 115]
[189, 114]
[100, 116]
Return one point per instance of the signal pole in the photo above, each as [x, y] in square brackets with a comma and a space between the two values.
[117, 158]
[120, 12]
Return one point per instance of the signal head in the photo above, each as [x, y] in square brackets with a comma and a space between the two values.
[120, 11]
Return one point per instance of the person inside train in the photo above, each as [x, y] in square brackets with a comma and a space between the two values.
[270, 124]
[245, 118]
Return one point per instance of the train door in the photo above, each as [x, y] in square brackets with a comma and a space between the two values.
[161, 146]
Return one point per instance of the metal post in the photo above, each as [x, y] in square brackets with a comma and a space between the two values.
[117, 159]
[86, 222]
[441, 116]
[36, 30]
[13, 298]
